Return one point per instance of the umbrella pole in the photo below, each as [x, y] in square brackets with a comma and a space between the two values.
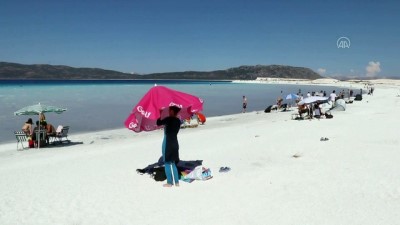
[39, 134]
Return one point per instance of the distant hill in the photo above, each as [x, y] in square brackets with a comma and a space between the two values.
[243, 73]
[44, 71]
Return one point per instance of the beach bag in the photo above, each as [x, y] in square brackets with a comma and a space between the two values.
[31, 143]
[159, 174]
[206, 174]
[268, 109]
[328, 116]
[199, 173]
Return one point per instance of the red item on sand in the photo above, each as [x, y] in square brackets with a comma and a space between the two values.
[201, 118]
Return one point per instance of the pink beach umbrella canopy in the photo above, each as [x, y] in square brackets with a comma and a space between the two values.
[145, 114]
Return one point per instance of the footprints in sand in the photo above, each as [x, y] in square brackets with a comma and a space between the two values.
[228, 119]
[297, 155]
[100, 138]
[257, 164]
[388, 191]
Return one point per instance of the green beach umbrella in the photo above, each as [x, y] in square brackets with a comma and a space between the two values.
[37, 110]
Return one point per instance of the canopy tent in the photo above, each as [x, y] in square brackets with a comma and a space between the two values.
[292, 96]
[313, 99]
[340, 105]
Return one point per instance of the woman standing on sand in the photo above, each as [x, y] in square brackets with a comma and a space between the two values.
[170, 146]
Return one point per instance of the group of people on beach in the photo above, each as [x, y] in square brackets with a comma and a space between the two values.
[312, 110]
[315, 109]
[342, 94]
[41, 124]
[370, 89]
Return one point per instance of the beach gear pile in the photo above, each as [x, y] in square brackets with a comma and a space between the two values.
[199, 173]
[189, 171]
[194, 121]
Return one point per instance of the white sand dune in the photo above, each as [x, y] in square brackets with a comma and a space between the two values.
[325, 81]
[351, 179]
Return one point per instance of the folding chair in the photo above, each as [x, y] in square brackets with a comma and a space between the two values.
[21, 138]
[53, 137]
[62, 132]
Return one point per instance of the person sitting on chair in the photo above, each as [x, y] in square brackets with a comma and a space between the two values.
[302, 109]
[42, 117]
[50, 130]
[27, 128]
[37, 128]
[317, 111]
[279, 102]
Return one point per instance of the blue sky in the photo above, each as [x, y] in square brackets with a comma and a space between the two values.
[160, 36]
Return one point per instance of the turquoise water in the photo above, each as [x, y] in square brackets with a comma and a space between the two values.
[95, 106]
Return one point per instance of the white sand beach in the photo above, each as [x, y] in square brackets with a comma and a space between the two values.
[353, 178]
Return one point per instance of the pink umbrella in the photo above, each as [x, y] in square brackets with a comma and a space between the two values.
[147, 111]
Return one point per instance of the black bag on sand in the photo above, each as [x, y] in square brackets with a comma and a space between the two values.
[358, 97]
[268, 109]
[329, 116]
[159, 174]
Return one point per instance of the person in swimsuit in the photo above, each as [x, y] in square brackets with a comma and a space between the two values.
[170, 146]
